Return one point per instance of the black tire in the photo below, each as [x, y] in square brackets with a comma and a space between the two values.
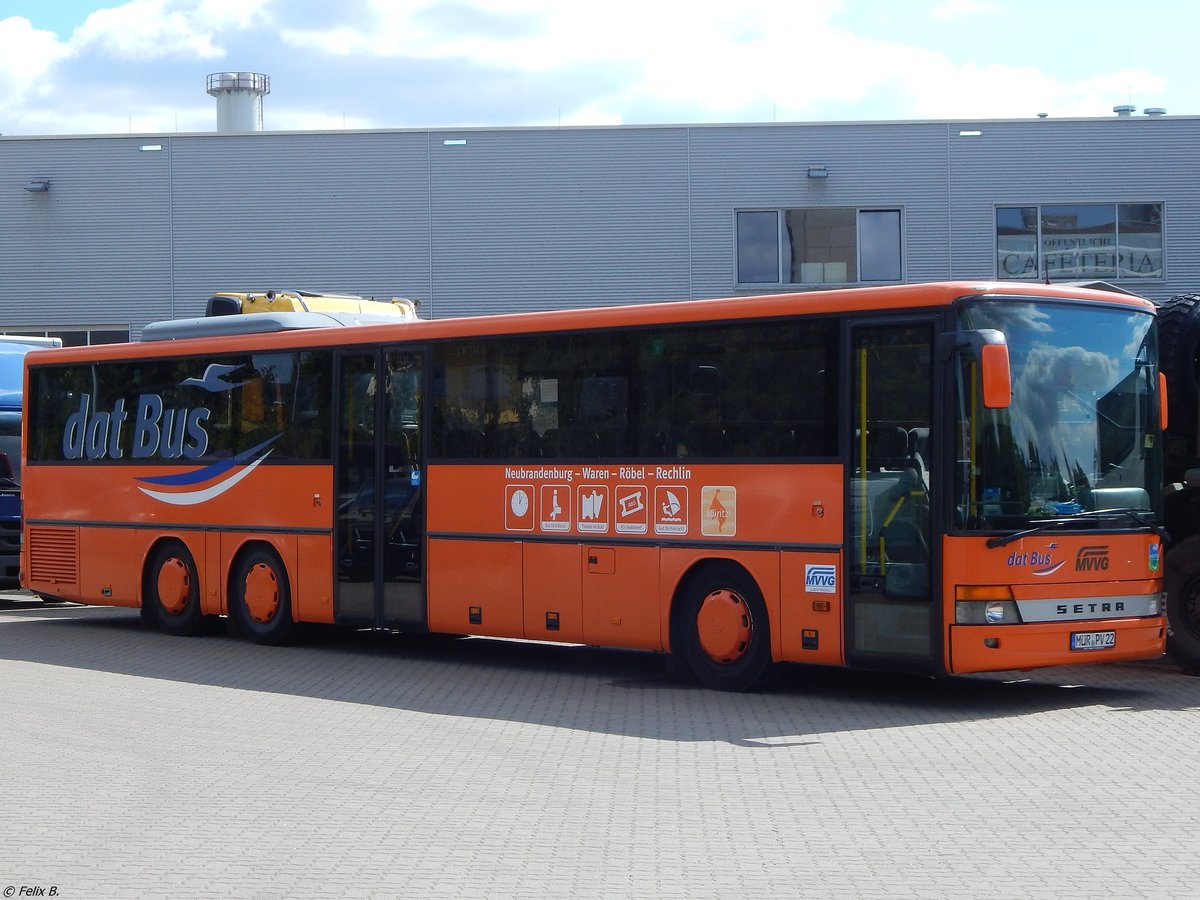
[171, 590]
[720, 629]
[260, 599]
[1179, 345]
[1181, 580]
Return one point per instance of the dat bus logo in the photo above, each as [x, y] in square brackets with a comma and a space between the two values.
[156, 431]
[1039, 564]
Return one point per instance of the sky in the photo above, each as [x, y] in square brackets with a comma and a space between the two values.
[111, 67]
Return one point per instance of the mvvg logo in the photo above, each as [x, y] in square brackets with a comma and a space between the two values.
[820, 579]
[1092, 559]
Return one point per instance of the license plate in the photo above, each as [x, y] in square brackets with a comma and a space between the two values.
[1093, 640]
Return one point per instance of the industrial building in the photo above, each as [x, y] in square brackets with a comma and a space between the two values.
[102, 234]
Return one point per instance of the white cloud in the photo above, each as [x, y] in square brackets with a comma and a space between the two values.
[26, 54]
[499, 62]
[754, 60]
[234, 14]
[166, 29]
[956, 9]
[342, 41]
[312, 121]
[997, 91]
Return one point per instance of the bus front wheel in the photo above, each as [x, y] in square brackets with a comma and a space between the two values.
[721, 629]
[171, 595]
[260, 601]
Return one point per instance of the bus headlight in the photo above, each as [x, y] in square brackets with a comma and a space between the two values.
[985, 605]
[997, 612]
[991, 612]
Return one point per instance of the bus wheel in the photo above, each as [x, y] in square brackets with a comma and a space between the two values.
[260, 601]
[721, 630]
[171, 597]
[1181, 580]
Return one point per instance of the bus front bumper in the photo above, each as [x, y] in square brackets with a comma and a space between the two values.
[990, 648]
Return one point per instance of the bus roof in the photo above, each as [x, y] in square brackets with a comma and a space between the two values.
[189, 336]
[259, 323]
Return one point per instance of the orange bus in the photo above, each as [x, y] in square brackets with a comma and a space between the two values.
[940, 478]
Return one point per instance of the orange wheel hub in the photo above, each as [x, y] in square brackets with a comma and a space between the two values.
[723, 626]
[262, 593]
[174, 585]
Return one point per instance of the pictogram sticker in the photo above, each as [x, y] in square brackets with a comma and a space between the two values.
[555, 506]
[671, 509]
[631, 511]
[718, 510]
[518, 507]
[593, 507]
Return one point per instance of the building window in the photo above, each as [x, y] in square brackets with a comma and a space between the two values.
[1079, 240]
[76, 337]
[758, 247]
[818, 246]
[879, 245]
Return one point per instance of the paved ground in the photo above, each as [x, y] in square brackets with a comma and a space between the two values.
[140, 765]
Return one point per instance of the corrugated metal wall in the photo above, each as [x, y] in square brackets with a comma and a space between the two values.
[493, 220]
[93, 249]
[540, 219]
[313, 212]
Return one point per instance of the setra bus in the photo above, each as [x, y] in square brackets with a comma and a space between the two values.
[939, 478]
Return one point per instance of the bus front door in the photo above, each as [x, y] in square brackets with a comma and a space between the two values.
[891, 616]
[381, 514]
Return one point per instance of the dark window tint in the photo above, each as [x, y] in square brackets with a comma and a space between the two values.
[185, 409]
[748, 390]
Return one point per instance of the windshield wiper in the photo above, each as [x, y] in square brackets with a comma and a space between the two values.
[1137, 515]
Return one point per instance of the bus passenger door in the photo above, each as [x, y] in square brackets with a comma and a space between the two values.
[891, 609]
[380, 540]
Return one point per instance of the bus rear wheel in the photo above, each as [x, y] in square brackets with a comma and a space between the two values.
[171, 592]
[721, 629]
[260, 601]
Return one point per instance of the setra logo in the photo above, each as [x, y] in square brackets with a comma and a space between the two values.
[1092, 559]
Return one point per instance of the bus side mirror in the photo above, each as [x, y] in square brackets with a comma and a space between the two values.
[988, 347]
[1162, 401]
[996, 376]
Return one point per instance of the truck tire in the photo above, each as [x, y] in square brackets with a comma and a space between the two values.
[1181, 580]
[1179, 344]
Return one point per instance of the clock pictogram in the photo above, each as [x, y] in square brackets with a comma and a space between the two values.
[520, 503]
[518, 507]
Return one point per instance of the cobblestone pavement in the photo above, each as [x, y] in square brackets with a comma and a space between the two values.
[358, 765]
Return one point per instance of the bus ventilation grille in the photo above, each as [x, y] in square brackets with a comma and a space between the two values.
[54, 555]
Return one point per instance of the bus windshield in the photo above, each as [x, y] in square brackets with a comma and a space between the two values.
[1078, 442]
